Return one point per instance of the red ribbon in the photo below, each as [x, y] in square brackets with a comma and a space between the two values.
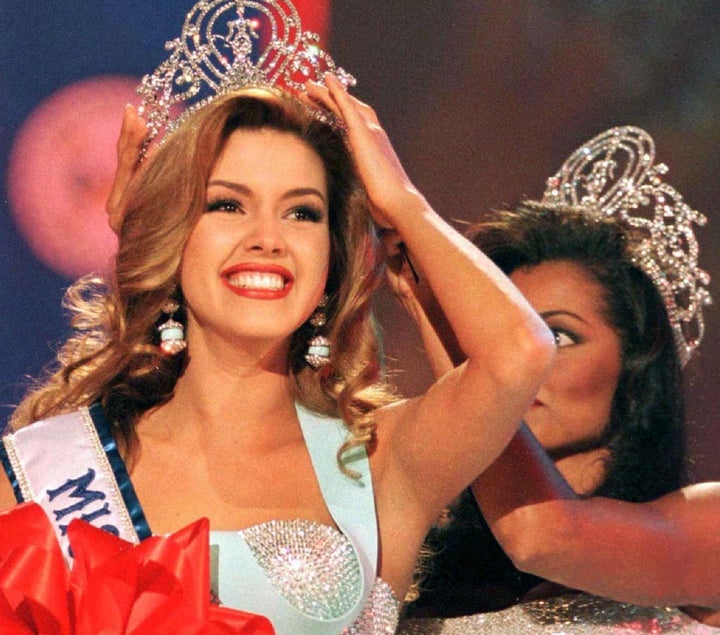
[157, 587]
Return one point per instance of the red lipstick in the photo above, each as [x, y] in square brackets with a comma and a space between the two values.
[258, 281]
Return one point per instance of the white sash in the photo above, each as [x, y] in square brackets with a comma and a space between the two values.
[61, 464]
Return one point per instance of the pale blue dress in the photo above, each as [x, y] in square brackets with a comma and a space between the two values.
[304, 576]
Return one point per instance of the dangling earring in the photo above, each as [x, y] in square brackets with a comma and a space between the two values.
[318, 354]
[172, 333]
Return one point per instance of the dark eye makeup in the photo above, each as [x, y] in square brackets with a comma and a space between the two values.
[223, 205]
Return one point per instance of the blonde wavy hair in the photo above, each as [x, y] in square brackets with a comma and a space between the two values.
[113, 356]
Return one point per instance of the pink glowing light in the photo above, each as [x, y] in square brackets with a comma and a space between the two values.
[60, 171]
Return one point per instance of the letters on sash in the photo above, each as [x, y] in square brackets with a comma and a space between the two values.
[79, 488]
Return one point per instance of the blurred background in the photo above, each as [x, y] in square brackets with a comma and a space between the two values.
[483, 99]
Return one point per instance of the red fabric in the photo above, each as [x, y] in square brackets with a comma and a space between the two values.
[115, 588]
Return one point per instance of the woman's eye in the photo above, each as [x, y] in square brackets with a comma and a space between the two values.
[564, 338]
[224, 205]
[306, 213]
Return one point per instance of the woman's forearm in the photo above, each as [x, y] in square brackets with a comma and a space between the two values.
[665, 552]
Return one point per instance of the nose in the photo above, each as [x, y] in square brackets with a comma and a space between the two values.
[265, 235]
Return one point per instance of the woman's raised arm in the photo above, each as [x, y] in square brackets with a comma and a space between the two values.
[439, 442]
[663, 552]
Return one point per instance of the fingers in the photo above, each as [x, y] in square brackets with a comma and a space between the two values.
[133, 133]
[334, 97]
[377, 164]
[352, 110]
[318, 95]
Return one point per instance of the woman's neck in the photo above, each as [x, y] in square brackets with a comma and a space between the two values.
[221, 393]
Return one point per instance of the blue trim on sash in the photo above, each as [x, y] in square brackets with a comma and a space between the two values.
[109, 445]
[12, 477]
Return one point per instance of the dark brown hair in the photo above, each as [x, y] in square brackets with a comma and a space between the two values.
[646, 431]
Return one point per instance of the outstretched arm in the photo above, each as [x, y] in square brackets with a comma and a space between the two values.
[664, 552]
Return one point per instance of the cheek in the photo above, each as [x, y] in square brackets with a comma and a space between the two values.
[317, 257]
[588, 384]
[200, 257]
[191, 262]
[209, 242]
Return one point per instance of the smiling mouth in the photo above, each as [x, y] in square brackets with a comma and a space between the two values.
[256, 280]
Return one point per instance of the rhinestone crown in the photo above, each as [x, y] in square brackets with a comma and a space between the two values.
[226, 45]
[615, 175]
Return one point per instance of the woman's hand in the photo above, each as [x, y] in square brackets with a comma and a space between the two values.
[129, 152]
[402, 277]
[389, 189]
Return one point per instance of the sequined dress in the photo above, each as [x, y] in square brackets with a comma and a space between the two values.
[571, 614]
[304, 576]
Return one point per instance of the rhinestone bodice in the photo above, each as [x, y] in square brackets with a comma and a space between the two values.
[313, 568]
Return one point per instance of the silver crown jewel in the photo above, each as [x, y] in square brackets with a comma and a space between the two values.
[614, 174]
[230, 44]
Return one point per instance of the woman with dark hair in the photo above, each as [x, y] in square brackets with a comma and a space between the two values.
[623, 296]
[644, 432]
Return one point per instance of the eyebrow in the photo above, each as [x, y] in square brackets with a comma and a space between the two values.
[291, 193]
[548, 314]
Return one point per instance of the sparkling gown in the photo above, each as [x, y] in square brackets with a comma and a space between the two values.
[570, 614]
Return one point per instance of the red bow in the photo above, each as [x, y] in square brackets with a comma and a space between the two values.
[115, 588]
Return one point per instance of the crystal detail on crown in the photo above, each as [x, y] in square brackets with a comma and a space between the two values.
[615, 175]
[226, 45]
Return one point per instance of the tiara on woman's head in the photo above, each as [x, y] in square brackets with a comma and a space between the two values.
[614, 175]
[226, 45]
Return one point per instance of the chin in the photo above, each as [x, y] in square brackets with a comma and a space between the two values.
[541, 429]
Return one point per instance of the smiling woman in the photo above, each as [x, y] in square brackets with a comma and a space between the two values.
[248, 250]
[266, 231]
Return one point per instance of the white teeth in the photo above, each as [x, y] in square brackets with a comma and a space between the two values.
[254, 280]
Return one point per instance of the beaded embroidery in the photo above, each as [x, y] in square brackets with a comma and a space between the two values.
[315, 568]
[572, 614]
